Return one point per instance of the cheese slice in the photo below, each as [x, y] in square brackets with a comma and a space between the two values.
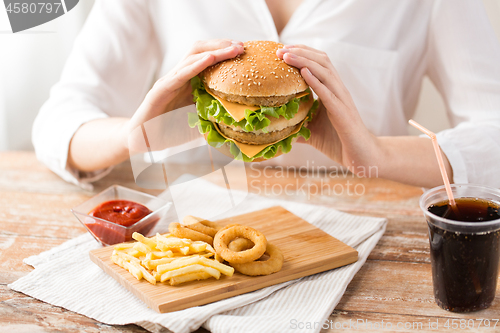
[252, 150]
[302, 94]
[237, 111]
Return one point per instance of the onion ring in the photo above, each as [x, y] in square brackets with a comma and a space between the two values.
[210, 224]
[200, 227]
[228, 226]
[265, 267]
[240, 244]
[198, 224]
[227, 234]
[177, 230]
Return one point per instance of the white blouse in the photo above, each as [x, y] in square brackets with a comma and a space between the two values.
[381, 49]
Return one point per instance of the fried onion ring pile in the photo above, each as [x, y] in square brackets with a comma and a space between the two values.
[244, 248]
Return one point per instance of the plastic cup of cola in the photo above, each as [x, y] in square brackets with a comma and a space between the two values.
[464, 248]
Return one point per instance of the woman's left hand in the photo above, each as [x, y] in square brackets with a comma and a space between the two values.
[337, 129]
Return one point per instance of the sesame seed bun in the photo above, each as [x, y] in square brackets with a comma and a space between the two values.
[256, 77]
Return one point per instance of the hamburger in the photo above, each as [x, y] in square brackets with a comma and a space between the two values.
[254, 106]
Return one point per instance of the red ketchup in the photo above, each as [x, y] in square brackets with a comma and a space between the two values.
[123, 214]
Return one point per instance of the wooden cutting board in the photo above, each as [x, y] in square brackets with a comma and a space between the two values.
[307, 250]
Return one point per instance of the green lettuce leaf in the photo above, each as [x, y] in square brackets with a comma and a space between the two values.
[312, 111]
[216, 140]
[254, 120]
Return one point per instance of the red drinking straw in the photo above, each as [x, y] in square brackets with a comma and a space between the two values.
[439, 157]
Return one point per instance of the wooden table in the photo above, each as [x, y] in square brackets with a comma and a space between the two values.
[394, 285]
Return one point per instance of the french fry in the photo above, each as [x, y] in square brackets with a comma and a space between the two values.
[134, 267]
[137, 273]
[224, 269]
[219, 258]
[127, 257]
[161, 254]
[198, 246]
[142, 248]
[179, 263]
[195, 260]
[153, 264]
[133, 252]
[123, 246]
[209, 248]
[146, 241]
[190, 269]
[168, 258]
[117, 260]
[189, 277]
[145, 274]
[184, 250]
[171, 242]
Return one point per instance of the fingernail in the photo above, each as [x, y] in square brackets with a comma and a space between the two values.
[284, 50]
[206, 57]
[291, 56]
[307, 70]
[229, 48]
[289, 46]
[235, 42]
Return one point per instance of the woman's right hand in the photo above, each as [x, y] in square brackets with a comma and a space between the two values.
[173, 90]
[102, 143]
[338, 130]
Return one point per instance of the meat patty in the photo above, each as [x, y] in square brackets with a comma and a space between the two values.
[252, 101]
[257, 139]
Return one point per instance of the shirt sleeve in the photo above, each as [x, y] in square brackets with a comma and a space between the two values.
[107, 73]
[464, 64]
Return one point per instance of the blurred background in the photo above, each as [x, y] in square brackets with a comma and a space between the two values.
[31, 62]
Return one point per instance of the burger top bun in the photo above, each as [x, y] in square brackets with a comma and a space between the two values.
[257, 72]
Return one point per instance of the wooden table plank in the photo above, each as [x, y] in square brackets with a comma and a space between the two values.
[400, 288]
[394, 284]
[21, 313]
[405, 239]
[39, 214]
[354, 321]
[13, 249]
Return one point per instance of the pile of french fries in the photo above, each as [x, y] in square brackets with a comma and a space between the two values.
[163, 258]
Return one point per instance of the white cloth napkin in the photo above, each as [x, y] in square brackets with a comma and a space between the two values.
[65, 276]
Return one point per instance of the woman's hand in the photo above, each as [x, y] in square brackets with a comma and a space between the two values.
[101, 143]
[173, 90]
[339, 132]
[337, 129]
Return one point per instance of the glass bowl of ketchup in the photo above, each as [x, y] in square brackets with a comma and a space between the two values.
[113, 215]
